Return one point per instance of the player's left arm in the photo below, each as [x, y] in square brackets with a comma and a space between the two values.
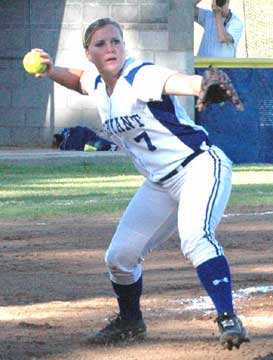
[183, 84]
[214, 86]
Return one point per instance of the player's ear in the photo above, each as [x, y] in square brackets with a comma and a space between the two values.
[88, 55]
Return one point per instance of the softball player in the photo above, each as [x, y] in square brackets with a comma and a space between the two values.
[188, 181]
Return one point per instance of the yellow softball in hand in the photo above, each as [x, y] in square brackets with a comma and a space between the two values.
[32, 63]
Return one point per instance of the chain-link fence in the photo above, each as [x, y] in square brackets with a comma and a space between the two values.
[258, 28]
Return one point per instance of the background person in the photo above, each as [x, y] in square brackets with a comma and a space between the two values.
[222, 30]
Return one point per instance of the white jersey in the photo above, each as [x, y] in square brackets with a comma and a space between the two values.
[154, 129]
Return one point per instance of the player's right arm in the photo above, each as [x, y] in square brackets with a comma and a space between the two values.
[68, 77]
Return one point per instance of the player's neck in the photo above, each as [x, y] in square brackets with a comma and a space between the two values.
[110, 86]
[109, 90]
[110, 82]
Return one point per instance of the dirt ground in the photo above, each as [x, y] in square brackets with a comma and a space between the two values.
[55, 291]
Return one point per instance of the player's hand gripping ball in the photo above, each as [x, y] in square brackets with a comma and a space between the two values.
[216, 87]
[32, 63]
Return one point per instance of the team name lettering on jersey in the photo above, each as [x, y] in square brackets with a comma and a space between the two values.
[123, 123]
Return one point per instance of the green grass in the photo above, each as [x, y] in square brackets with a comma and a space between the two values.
[37, 191]
[252, 185]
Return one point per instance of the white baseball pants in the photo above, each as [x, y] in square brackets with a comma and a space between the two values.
[192, 202]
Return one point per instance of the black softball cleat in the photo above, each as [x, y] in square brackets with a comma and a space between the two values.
[232, 331]
[119, 330]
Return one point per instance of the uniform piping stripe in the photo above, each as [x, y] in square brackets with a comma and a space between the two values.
[131, 75]
[97, 81]
[164, 112]
[211, 202]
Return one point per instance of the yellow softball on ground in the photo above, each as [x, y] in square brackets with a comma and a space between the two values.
[32, 63]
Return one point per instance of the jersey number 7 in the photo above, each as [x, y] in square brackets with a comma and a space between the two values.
[144, 136]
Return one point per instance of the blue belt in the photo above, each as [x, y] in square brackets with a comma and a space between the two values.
[183, 164]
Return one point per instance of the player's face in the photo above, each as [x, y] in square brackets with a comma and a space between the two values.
[107, 50]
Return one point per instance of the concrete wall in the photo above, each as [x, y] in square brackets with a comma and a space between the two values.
[32, 110]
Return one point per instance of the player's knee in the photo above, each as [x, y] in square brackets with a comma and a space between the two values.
[190, 240]
[111, 259]
[122, 269]
[117, 261]
[201, 250]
